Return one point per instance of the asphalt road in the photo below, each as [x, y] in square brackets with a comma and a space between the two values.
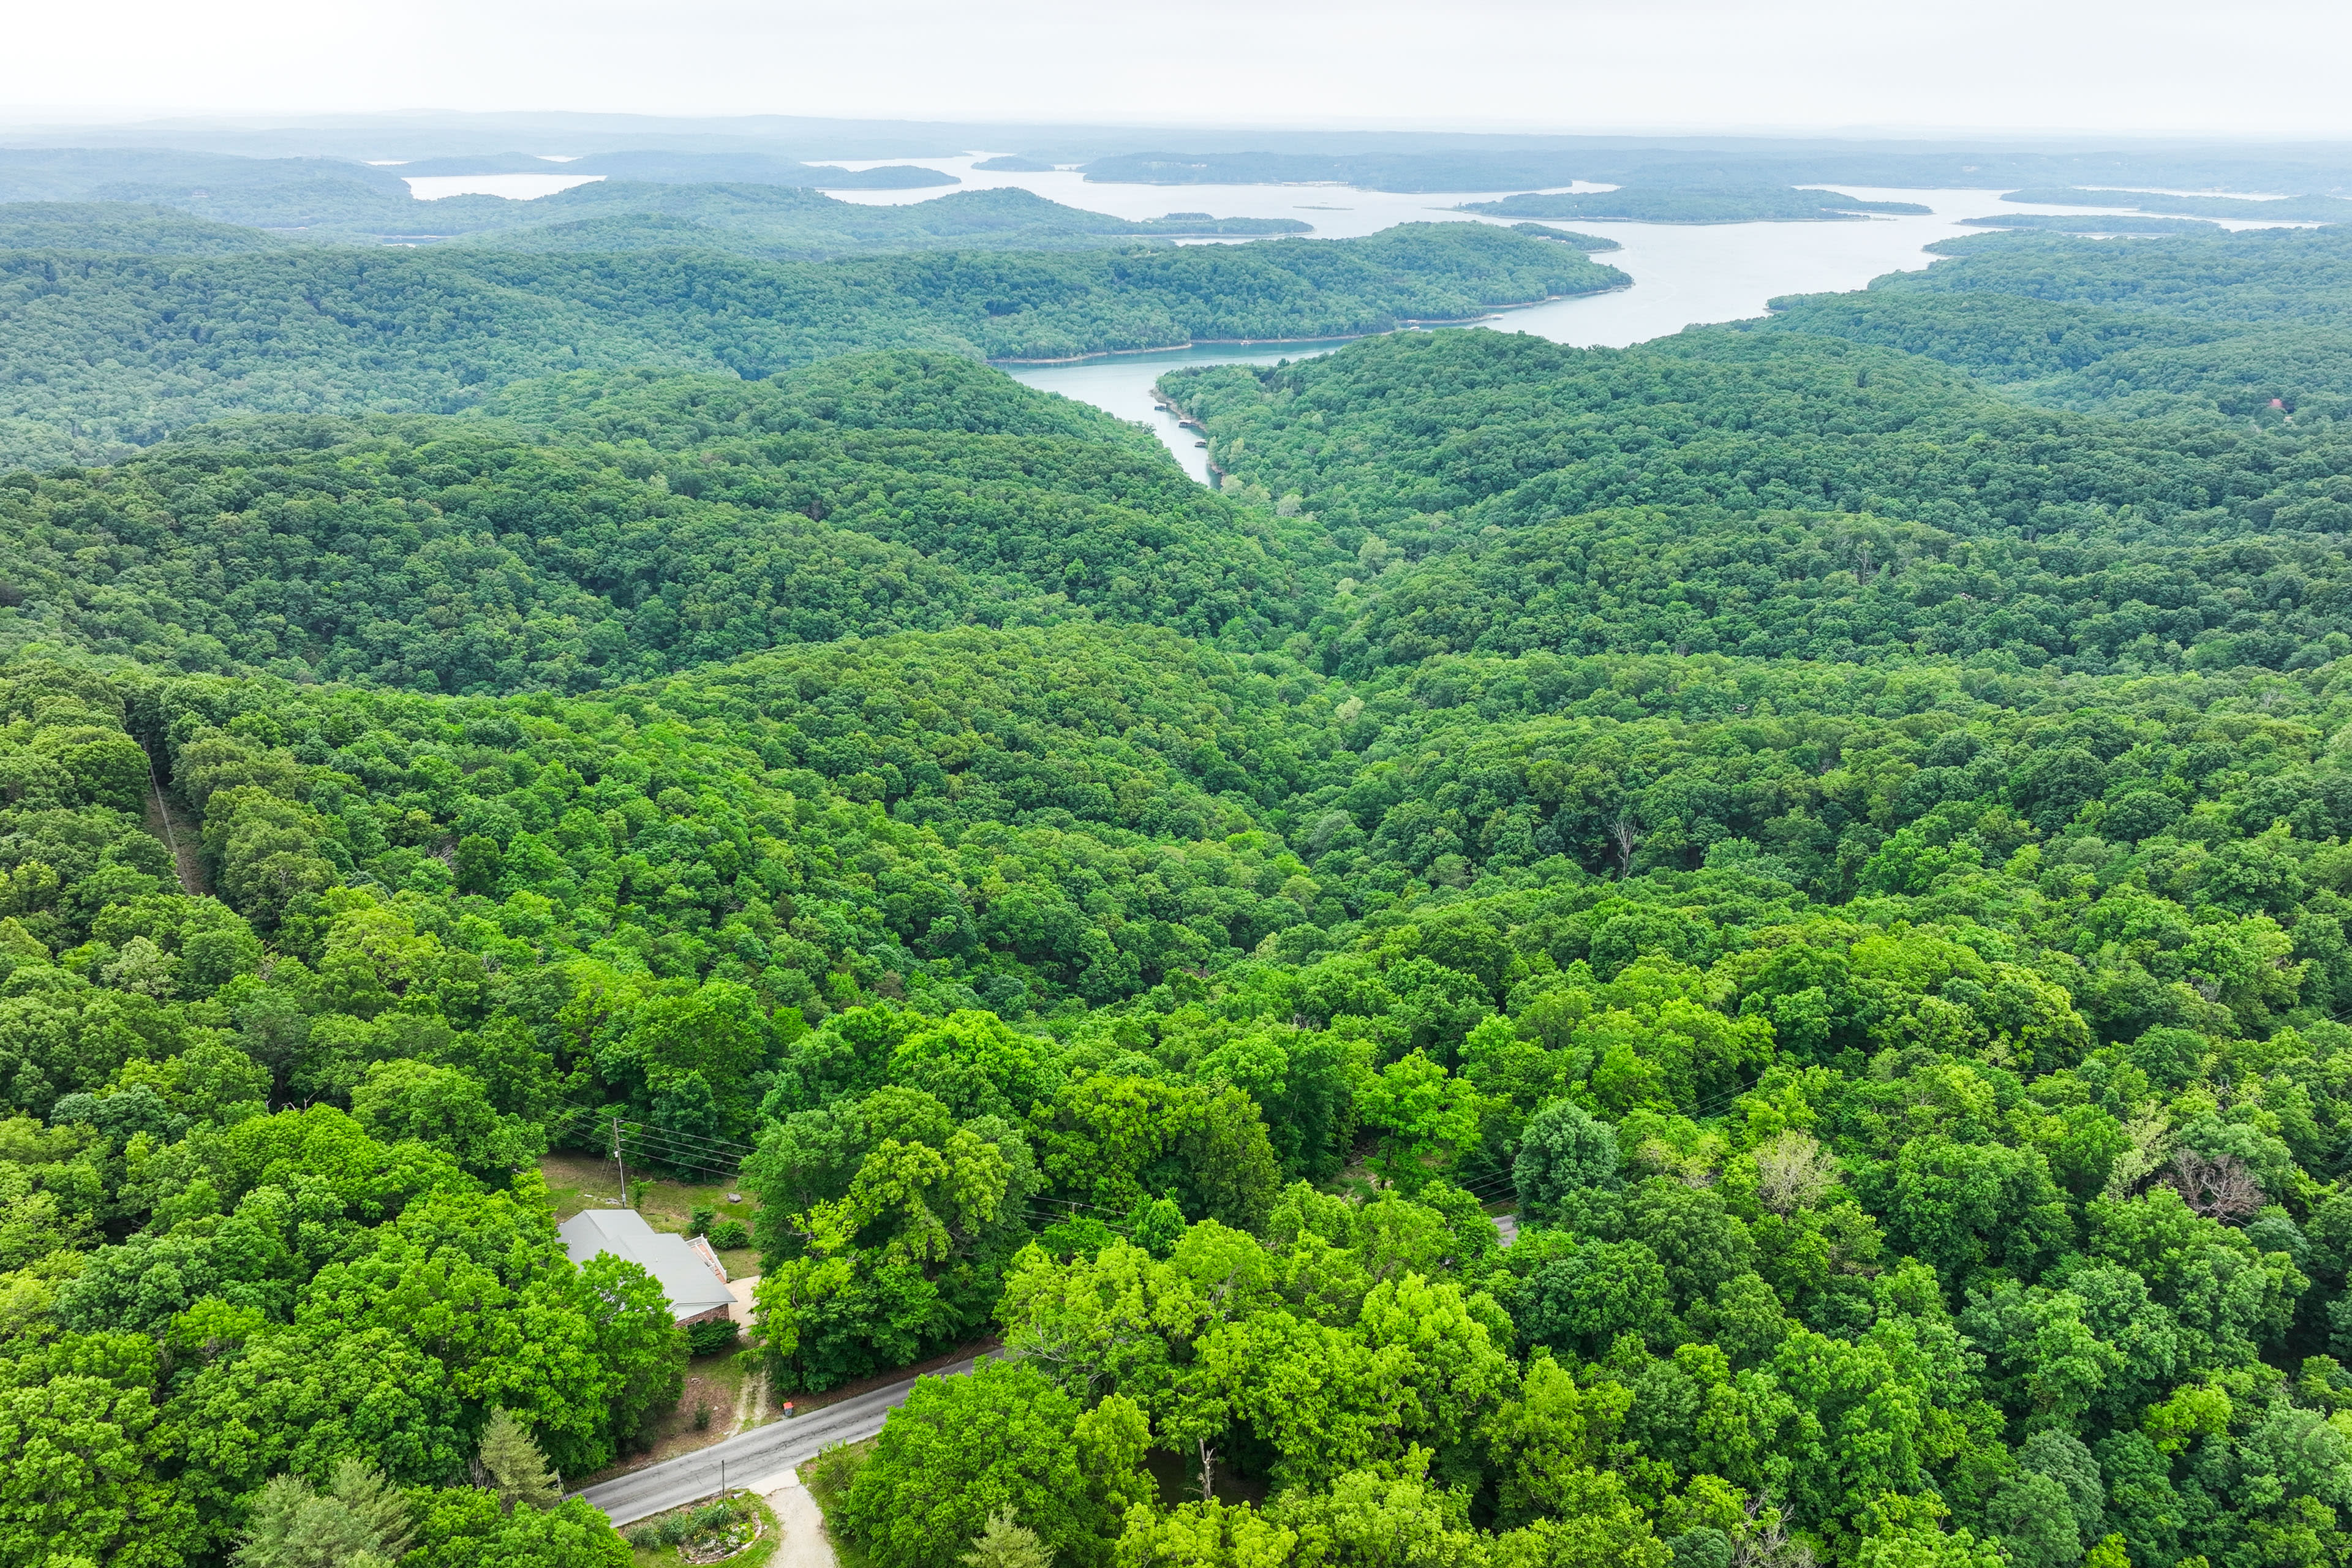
[749, 1457]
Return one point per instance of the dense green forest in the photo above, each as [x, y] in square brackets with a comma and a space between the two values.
[100, 352]
[1693, 204]
[1429, 438]
[2199, 328]
[1852, 860]
[131, 228]
[712, 517]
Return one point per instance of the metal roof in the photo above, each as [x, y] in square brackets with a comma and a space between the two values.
[691, 1285]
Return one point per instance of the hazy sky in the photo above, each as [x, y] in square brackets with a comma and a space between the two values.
[2152, 65]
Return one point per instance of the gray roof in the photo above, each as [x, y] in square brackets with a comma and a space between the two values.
[688, 1282]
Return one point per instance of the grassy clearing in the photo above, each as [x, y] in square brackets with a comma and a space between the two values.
[576, 1181]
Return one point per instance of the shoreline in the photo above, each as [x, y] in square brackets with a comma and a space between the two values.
[1406, 323]
[1689, 221]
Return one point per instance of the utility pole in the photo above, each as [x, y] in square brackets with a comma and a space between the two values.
[620, 1162]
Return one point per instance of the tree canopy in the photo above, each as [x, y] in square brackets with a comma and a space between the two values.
[104, 350]
[1850, 865]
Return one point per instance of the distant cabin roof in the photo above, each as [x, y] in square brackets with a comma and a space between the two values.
[690, 1283]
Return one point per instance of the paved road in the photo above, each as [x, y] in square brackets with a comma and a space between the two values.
[749, 1457]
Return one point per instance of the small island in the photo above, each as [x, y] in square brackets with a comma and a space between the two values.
[1200, 225]
[1587, 243]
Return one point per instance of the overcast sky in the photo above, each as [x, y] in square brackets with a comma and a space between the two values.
[2211, 65]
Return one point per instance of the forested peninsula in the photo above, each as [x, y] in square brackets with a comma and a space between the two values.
[2284, 209]
[1728, 953]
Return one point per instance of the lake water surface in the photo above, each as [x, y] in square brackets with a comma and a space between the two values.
[1122, 384]
[1683, 274]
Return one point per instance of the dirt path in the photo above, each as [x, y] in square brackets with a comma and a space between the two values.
[803, 1543]
[169, 821]
[750, 1405]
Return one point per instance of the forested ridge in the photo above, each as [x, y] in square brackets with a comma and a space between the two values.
[710, 517]
[776, 223]
[655, 202]
[105, 350]
[785, 223]
[338, 200]
[2202, 325]
[1850, 859]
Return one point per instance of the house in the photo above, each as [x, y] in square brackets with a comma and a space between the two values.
[689, 1272]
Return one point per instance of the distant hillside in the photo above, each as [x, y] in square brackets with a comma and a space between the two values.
[2282, 209]
[133, 229]
[331, 199]
[768, 208]
[118, 351]
[781, 223]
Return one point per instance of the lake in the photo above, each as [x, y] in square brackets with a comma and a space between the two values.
[1683, 274]
[1122, 384]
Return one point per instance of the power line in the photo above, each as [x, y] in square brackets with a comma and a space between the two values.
[684, 1158]
[662, 1136]
[685, 1142]
[719, 1146]
[671, 1158]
